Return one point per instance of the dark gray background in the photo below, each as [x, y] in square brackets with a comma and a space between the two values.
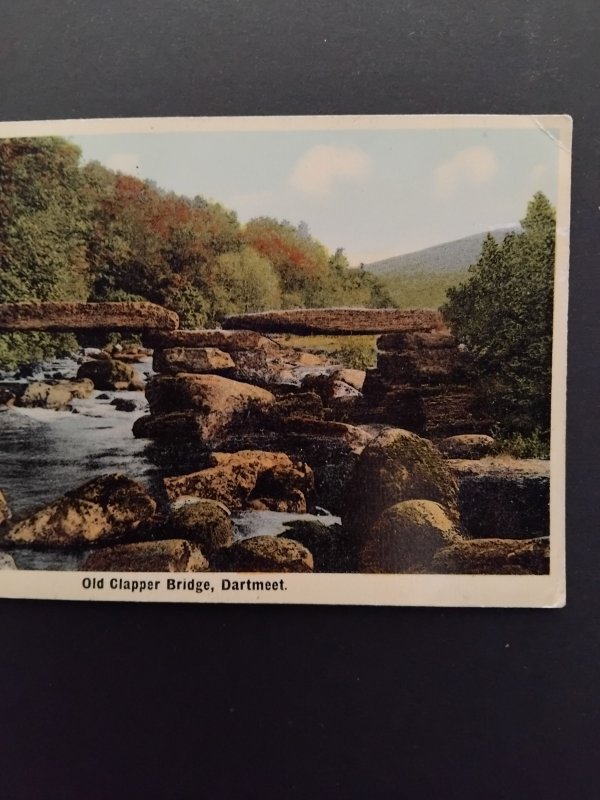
[109, 700]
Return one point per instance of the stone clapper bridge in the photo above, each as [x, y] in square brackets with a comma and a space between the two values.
[419, 382]
[270, 435]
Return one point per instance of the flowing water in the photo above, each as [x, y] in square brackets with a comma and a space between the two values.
[44, 453]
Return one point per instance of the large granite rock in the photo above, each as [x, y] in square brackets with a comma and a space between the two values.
[65, 317]
[331, 388]
[213, 395]
[406, 537]
[171, 555]
[192, 359]
[503, 497]
[55, 396]
[218, 406]
[263, 554]
[331, 449]
[205, 522]
[494, 557]
[248, 479]
[107, 374]
[326, 543]
[105, 508]
[397, 465]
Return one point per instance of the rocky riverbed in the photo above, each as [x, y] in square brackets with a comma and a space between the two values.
[225, 451]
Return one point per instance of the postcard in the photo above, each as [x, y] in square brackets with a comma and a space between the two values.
[285, 359]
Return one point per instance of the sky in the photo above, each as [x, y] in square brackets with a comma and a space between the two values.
[375, 193]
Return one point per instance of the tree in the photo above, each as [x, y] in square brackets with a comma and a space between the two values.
[43, 230]
[299, 260]
[243, 281]
[503, 313]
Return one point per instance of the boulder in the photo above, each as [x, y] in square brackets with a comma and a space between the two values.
[210, 394]
[124, 404]
[256, 366]
[222, 405]
[136, 384]
[71, 317]
[494, 557]
[353, 377]
[397, 465]
[80, 389]
[330, 388]
[171, 555]
[45, 395]
[326, 543]
[7, 398]
[470, 445]
[4, 510]
[248, 479]
[292, 406]
[7, 561]
[192, 359]
[331, 450]
[107, 374]
[106, 507]
[503, 497]
[263, 554]
[406, 537]
[180, 428]
[205, 522]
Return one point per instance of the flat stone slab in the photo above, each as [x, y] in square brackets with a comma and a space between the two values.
[228, 341]
[338, 321]
[73, 317]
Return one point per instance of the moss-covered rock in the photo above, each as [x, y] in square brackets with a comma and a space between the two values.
[205, 522]
[406, 537]
[263, 554]
[106, 507]
[326, 543]
[397, 465]
[172, 555]
[495, 557]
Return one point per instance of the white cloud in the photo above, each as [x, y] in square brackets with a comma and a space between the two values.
[321, 167]
[128, 163]
[471, 167]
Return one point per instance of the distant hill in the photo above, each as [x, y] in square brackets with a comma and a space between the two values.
[450, 257]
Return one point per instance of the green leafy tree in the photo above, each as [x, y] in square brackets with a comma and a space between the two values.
[503, 313]
[43, 230]
[243, 281]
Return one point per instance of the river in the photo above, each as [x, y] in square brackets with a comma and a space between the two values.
[45, 453]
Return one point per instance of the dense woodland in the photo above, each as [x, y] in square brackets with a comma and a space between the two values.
[503, 313]
[73, 231]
